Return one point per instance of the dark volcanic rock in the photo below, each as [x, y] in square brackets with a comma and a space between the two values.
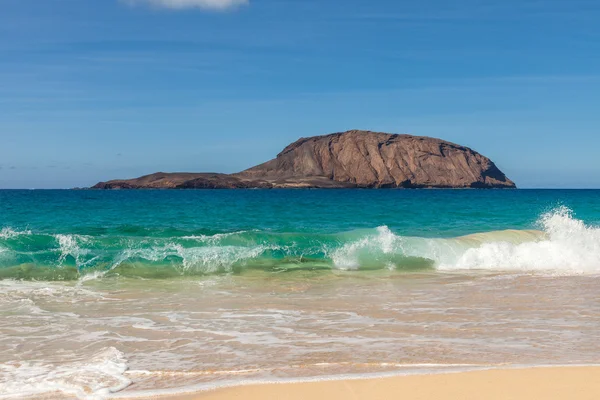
[162, 180]
[348, 159]
[221, 181]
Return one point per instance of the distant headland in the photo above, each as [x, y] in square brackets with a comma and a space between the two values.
[352, 159]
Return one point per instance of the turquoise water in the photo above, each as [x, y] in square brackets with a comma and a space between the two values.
[67, 235]
[139, 293]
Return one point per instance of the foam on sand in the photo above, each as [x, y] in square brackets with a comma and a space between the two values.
[91, 379]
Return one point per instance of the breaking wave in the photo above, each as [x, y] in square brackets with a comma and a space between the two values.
[563, 244]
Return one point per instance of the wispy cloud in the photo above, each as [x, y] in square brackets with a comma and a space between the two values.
[186, 4]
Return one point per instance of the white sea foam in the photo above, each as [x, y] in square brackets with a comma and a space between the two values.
[569, 246]
[93, 379]
[350, 255]
[566, 245]
[207, 259]
[211, 259]
[70, 245]
[91, 276]
[213, 239]
[9, 233]
[16, 290]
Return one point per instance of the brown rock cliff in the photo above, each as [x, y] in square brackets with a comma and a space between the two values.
[348, 159]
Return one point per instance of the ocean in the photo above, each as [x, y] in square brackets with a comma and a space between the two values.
[124, 294]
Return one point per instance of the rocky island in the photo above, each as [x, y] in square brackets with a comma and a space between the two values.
[352, 159]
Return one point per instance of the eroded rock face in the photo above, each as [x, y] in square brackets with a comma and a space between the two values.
[373, 159]
[348, 159]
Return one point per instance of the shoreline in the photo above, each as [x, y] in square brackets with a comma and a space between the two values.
[528, 383]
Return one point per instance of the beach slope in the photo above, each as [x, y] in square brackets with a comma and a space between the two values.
[556, 383]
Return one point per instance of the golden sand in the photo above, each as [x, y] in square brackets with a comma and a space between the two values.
[571, 383]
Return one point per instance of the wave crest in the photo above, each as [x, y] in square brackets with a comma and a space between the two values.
[564, 244]
[567, 246]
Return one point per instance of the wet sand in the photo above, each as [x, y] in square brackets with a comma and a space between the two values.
[573, 383]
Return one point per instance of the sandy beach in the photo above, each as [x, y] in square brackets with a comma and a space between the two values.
[573, 383]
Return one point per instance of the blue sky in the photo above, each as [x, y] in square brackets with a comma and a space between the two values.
[98, 89]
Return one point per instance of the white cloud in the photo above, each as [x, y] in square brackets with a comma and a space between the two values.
[184, 4]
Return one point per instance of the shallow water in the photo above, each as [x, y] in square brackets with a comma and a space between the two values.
[133, 293]
[153, 335]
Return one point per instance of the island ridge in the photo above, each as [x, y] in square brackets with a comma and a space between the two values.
[351, 159]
